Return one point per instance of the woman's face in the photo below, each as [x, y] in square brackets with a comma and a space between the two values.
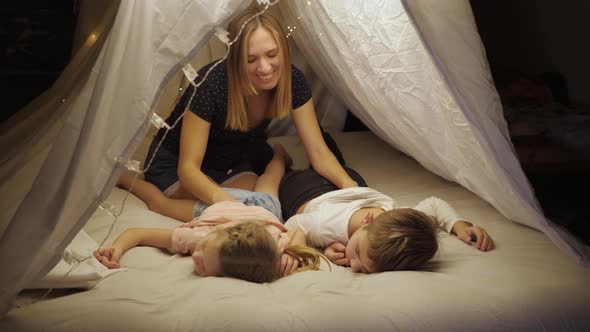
[264, 60]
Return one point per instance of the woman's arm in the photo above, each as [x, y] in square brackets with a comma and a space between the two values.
[193, 144]
[130, 238]
[318, 153]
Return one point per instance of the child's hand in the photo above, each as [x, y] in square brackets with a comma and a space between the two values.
[336, 253]
[468, 233]
[109, 257]
[287, 265]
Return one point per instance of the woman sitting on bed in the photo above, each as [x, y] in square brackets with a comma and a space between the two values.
[365, 229]
[222, 140]
[230, 239]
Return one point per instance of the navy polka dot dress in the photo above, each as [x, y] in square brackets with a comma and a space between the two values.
[228, 151]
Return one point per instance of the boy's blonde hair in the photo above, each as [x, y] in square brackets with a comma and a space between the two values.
[250, 253]
[402, 239]
[239, 84]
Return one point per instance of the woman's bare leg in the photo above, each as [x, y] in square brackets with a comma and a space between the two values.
[181, 209]
[269, 181]
[246, 182]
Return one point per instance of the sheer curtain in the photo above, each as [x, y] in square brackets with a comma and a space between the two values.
[105, 115]
[415, 73]
[27, 137]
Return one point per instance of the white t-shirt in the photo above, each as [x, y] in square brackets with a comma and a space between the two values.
[325, 218]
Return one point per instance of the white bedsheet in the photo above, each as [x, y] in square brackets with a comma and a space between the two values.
[526, 283]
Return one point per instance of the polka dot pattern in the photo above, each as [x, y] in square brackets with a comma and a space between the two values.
[210, 104]
[225, 147]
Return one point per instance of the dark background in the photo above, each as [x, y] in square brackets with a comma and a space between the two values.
[35, 45]
[541, 41]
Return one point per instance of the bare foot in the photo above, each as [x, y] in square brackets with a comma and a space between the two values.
[280, 151]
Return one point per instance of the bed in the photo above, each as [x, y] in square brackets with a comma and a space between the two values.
[526, 283]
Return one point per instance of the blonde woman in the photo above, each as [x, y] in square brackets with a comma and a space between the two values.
[222, 141]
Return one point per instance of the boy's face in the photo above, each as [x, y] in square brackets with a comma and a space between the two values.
[357, 252]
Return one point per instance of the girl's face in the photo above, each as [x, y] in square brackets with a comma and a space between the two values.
[206, 255]
[264, 60]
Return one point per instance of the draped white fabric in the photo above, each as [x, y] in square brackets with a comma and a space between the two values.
[415, 73]
[105, 119]
[27, 137]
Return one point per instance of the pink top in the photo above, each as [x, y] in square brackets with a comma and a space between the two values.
[223, 215]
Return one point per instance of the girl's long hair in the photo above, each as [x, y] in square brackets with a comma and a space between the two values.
[249, 252]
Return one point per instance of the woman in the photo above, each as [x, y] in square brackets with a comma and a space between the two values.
[222, 140]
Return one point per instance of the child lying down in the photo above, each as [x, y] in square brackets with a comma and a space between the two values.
[229, 238]
[365, 229]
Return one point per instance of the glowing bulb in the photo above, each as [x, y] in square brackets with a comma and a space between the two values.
[179, 89]
[92, 38]
[63, 100]
[309, 2]
[298, 17]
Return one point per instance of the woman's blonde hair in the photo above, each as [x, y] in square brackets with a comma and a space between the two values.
[402, 239]
[239, 84]
[250, 253]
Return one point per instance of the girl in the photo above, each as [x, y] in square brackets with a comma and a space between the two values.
[228, 238]
[222, 140]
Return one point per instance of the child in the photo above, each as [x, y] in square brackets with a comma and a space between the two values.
[365, 229]
[229, 238]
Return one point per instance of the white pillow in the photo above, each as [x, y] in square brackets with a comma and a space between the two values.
[87, 271]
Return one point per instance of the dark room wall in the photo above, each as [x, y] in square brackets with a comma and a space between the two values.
[539, 36]
[35, 46]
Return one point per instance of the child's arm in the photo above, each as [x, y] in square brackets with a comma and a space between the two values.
[288, 263]
[454, 224]
[297, 238]
[465, 231]
[132, 237]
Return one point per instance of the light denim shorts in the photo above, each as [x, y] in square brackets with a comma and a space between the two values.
[250, 198]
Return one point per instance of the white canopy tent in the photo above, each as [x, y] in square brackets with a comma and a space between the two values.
[414, 72]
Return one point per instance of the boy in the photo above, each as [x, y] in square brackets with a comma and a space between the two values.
[365, 229]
